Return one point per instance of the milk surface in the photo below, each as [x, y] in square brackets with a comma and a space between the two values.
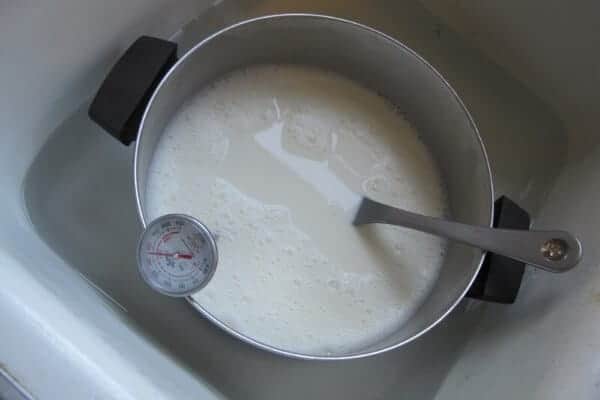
[274, 160]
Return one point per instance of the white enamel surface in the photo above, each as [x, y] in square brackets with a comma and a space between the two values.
[545, 346]
[62, 338]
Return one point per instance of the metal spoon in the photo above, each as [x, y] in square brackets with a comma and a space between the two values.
[554, 251]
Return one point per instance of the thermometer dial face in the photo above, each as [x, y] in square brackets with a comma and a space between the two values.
[177, 255]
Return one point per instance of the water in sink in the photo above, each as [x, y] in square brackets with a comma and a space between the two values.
[274, 159]
[79, 196]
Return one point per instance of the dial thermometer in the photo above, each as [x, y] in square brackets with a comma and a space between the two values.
[177, 255]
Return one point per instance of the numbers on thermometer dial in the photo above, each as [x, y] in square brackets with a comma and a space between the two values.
[177, 255]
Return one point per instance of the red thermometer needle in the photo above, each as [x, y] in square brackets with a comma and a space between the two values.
[176, 255]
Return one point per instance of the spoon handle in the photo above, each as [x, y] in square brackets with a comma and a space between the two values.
[554, 251]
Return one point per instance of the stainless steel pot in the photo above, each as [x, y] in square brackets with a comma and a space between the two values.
[348, 48]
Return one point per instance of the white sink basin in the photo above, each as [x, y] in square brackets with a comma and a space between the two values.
[82, 324]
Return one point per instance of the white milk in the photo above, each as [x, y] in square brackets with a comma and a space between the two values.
[274, 159]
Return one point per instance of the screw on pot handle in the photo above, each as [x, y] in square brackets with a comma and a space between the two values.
[122, 98]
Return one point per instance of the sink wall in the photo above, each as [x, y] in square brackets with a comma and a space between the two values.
[545, 346]
[61, 338]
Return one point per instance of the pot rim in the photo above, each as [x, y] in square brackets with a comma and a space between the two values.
[395, 42]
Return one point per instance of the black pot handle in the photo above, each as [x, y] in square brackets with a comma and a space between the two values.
[122, 98]
[499, 278]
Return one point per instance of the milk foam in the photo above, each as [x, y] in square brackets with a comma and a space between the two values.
[274, 159]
